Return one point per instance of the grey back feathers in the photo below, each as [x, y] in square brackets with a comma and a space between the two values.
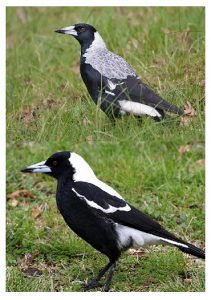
[107, 63]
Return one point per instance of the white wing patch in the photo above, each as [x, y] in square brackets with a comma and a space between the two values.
[109, 93]
[111, 85]
[110, 209]
[138, 109]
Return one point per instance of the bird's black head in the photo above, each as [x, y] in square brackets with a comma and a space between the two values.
[63, 164]
[84, 33]
[56, 165]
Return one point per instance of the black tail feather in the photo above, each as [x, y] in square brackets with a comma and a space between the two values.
[193, 250]
[168, 107]
[149, 97]
[174, 109]
[185, 247]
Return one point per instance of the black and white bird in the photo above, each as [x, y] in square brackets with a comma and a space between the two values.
[111, 81]
[100, 216]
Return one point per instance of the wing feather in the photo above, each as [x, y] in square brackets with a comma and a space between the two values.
[119, 211]
[101, 197]
[133, 89]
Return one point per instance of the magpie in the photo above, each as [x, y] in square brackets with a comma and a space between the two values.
[100, 216]
[111, 81]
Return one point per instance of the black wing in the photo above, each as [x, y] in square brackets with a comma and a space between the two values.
[100, 197]
[96, 85]
[114, 208]
[133, 89]
[119, 211]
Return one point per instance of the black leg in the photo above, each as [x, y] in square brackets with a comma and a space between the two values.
[95, 281]
[109, 277]
[112, 120]
[139, 119]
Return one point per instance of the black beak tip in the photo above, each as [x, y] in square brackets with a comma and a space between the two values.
[59, 31]
[26, 170]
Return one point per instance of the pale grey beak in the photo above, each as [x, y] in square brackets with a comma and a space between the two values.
[37, 168]
[67, 30]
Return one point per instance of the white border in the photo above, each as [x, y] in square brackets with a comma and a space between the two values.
[2, 145]
[104, 3]
[3, 4]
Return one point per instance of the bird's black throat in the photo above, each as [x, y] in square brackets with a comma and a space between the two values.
[85, 46]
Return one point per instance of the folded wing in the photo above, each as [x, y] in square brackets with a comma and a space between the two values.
[119, 211]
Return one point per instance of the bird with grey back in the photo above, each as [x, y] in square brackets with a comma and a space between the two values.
[111, 81]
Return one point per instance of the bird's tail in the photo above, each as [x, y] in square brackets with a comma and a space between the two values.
[183, 246]
[168, 107]
[191, 249]
[175, 109]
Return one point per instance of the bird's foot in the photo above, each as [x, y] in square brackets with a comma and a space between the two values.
[105, 288]
[91, 285]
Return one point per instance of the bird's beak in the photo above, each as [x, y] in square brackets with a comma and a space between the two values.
[67, 30]
[40, 167]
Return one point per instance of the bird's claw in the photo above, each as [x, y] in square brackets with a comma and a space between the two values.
[91, 285]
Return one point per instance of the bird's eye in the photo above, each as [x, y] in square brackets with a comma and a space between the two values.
[54, 163]
[82, 29]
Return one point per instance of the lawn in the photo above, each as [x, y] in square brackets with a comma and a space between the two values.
[158, 167]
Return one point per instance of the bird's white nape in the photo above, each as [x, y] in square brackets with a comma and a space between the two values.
[83, 171]
[97, 43]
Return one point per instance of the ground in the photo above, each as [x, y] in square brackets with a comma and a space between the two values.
[157, 167]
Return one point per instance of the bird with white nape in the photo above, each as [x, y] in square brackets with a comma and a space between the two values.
[100, 216]
[111, 81]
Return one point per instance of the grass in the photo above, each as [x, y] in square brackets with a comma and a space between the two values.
[48, 109]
